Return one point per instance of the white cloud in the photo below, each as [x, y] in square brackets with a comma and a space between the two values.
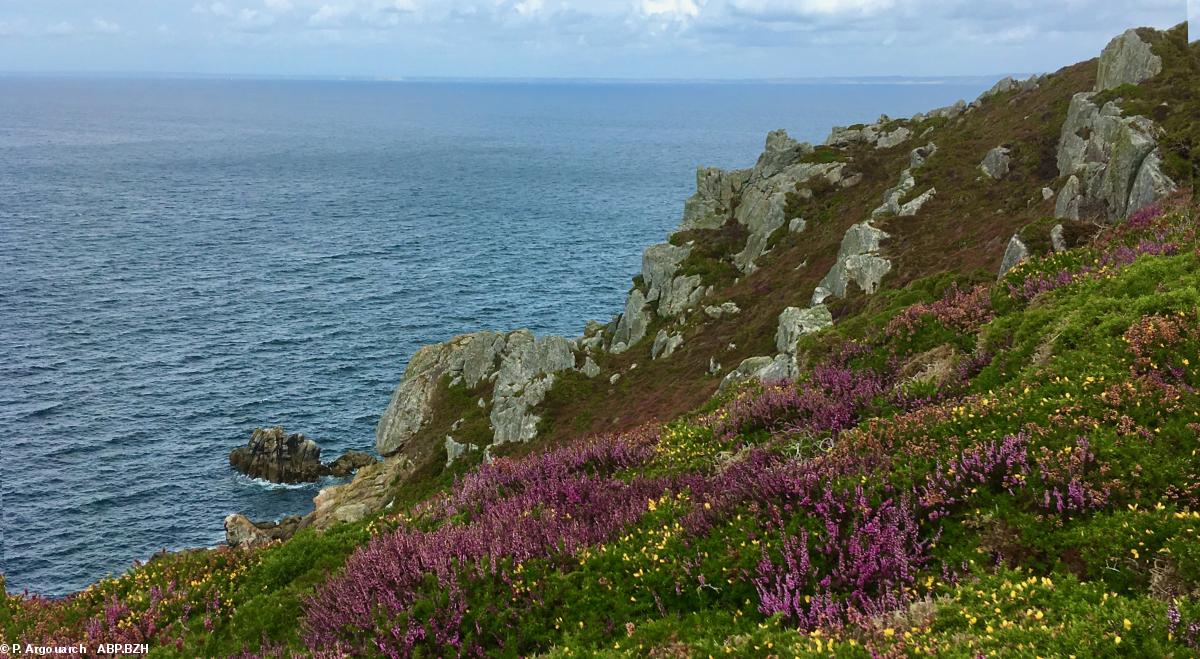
[102, 26]
[528, 7]
[671, 8]
[238, 19]
[329, 15]
[1011, 35]
[216, 9]
[796, 9]
[278, 5]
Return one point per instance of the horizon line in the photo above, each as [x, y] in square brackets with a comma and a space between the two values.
[833, 79]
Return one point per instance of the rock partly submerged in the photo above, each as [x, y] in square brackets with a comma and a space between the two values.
[275, 456]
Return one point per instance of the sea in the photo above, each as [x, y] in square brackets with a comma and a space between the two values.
[183, 260]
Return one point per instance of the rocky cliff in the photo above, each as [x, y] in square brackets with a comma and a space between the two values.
[767, 255]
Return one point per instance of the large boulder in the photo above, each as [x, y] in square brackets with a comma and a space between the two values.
[1016, 252]
[795, 322]
[858, 261]
[948, 112]
[995, 164]
[761, 368]
[893, 138]
[455, 450]
[350, 462]
[912, 206]
[1127, 59]
[241, 532]
[876, 135]
[919, 155]
[1005, 84]
[724, 309]
[631, 325]
[275, 456]
[665, 344]
[671, 293]
[370, 491]
[1009, 84]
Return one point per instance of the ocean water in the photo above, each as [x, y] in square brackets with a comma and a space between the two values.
[184, 260]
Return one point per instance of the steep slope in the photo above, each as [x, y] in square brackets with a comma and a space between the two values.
[765, 239]
[975, 448]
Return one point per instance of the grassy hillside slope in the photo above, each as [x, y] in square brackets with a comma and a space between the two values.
[966, 466]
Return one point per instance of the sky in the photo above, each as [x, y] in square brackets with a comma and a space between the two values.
[625, 39]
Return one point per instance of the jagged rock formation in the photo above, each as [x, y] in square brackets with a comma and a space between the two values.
[1127, 59]
[369, 492]
[879, 135]
[948, 112]
[893, 199]
[716, 195]
[1111, 162]
[1010, 84]
[858, 261]
[275, 456]
[671, 293]
[1058, 239]
[919, 155]
[795, 323]
[519, 366]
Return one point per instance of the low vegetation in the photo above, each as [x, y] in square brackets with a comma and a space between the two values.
[967, 467]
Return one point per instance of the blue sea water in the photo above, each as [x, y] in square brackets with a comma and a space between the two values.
[184, 260]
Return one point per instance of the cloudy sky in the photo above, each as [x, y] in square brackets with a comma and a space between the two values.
[567, 38]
